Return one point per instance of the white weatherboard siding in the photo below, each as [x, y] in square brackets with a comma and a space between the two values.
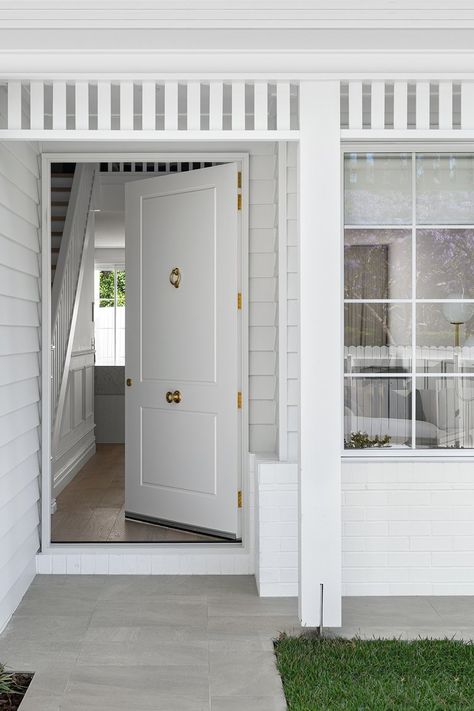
[263, 294]
[19, 372]
[408, 528]
[292, 300]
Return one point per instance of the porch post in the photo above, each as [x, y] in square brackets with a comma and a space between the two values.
[320, 349]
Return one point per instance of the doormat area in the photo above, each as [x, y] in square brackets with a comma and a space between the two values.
[13, 687]
[319, 674]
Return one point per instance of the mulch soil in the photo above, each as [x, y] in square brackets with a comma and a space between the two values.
[12, 702]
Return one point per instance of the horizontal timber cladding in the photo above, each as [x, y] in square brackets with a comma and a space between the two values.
[19, 372]
[144, 106]
[399, 105]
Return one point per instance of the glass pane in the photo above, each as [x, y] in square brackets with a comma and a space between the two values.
[445, 264]
[445, 189]
[377, 413]
[106, 287]
[121, 288]
[445, 337]
[445, 417]
[377, 338]
[377, 264]
[377, 189]
[105, 303]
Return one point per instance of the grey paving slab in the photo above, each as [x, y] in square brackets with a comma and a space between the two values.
[251, 674]
[389, 612]
[247, 703]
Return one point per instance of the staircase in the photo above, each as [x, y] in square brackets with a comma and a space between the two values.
[62, 175]
[72, 231]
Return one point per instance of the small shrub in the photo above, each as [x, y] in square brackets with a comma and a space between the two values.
[361, 440]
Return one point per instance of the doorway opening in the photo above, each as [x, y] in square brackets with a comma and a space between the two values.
[128, 470]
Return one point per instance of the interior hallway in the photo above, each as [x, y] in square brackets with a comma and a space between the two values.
[91, 508]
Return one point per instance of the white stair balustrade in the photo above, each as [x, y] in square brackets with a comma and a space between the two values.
[67, 287]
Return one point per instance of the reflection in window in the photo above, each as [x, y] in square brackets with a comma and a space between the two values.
[377, 413]
[409, 301]
[446, 416]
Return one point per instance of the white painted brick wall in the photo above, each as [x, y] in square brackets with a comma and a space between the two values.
[408, 527]
[277, 529]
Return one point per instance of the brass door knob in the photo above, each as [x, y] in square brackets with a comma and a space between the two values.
[173, 397]
[175, 277]
[129, 382]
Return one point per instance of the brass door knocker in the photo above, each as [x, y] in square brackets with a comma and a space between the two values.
[175, 277]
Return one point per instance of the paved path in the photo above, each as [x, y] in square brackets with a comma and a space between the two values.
[184, 643]
[142, 643]
[408, 617]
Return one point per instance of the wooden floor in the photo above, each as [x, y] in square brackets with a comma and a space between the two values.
[91, 507]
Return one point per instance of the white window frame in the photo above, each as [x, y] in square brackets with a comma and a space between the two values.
[408, 147]
[103, 267]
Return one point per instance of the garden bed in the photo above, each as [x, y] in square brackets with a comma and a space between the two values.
[333, 674]
[13, 687]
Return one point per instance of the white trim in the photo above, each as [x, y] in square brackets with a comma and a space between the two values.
[321, 398]
[408, 136]
[149, 549]
[116, 135]
[46, 424]
[282, 303]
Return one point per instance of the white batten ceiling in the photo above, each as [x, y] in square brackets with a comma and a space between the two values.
[148, 106]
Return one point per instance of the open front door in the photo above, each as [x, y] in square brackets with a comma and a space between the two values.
[182, 456]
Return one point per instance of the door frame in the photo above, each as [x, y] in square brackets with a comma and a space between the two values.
[47, 159]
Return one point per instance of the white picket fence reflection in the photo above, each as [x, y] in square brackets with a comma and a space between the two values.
[380, 406]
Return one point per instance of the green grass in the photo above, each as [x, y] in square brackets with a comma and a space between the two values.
[376, 675]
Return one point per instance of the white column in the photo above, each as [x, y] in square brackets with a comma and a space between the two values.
[320, 349]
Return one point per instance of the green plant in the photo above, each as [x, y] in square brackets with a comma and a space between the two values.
[361, 440]
[9, 682]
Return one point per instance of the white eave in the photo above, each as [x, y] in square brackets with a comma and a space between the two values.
[223, 39]
[248, 14]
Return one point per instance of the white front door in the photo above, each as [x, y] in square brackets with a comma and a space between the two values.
[182, 458]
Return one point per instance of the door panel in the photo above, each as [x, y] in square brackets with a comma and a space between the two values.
[182, 458]
[191, 468]
[188, 311]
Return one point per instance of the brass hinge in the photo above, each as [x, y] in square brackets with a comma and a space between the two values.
[239, 201]
[239, 400]
[239, 300]
[239, 179]
[239, 499]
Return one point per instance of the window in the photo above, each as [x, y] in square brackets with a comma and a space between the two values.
[109, 315]
[408, 301]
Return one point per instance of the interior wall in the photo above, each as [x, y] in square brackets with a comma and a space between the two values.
[19, 370]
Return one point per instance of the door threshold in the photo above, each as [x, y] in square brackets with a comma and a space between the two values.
[150, 520]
